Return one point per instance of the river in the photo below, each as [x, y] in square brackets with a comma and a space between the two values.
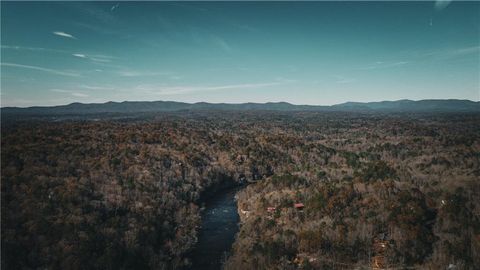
[217, 234]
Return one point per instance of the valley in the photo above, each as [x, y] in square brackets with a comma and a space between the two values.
[325, 190]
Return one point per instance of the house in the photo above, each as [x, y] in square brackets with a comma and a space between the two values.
[245, 212]
[299, 206]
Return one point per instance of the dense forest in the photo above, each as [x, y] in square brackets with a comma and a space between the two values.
[326, 190]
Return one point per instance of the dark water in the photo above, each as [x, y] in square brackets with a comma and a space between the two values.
[217, 234]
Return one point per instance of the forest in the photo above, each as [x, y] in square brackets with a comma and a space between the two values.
[322, 190]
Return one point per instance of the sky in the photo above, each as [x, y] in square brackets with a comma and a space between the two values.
[323, 53]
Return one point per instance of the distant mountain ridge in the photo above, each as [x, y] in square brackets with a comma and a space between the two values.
[420, 105]
[427, 105]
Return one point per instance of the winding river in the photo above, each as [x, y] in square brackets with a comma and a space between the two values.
[217, 234]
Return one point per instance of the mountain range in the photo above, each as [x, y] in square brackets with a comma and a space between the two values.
[428, 105]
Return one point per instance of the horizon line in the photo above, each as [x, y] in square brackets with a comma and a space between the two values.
[227, 103]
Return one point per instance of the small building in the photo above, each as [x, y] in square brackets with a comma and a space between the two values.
[246, 213]
[299, 206]
[271, 209]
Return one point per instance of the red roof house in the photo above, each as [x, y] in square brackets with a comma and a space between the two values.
[299, 205]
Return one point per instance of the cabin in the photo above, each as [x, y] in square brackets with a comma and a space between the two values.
[299, 206]
[245, 212]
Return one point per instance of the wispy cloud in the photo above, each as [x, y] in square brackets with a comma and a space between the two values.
[382, 65]
[462, 51]
[101, 58]
[34, 49]
[70, 92]
[94, 58]
[178, 90]
[63, 34]
[446, 54]
[99, 20]
[59, 91]
[96, 87]
[79, 55]
[138, 73]
[422, 57]
[79, 95]
[221, 43]
[48, 70]
[202, 37]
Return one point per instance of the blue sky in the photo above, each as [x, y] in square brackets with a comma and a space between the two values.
[305, 53]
